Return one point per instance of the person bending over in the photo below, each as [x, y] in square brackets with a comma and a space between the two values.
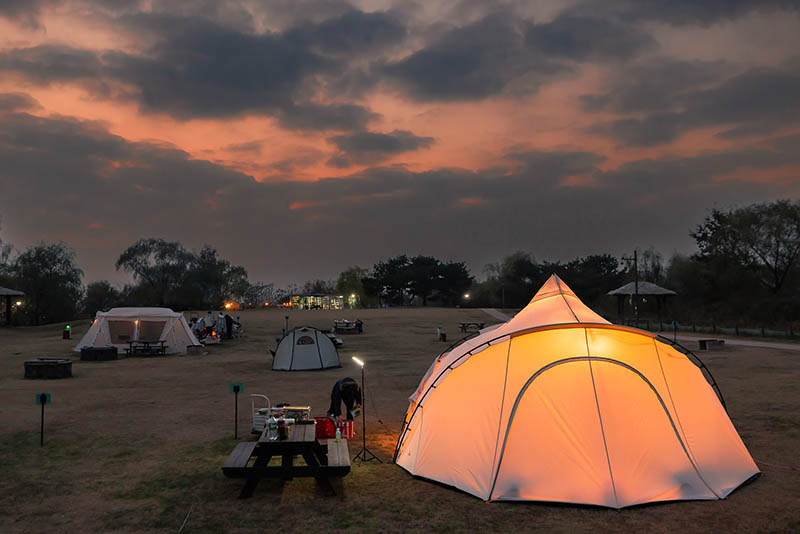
[345, 390]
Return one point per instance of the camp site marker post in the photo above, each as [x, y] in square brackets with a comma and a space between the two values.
[42, 399]
[236, 388]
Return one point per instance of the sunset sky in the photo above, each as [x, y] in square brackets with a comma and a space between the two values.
[299, 137]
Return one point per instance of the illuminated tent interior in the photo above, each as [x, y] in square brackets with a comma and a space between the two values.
[559, 405]
[303, 349]
[119, 326]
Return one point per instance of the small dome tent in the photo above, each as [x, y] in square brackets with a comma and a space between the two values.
[563, 406]
[305, 348]
[119, 326]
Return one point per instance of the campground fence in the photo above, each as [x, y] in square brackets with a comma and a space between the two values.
[713, 328]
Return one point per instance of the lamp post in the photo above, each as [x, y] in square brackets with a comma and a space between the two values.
[364, 455]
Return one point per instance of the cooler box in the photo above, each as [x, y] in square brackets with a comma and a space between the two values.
[326, 428]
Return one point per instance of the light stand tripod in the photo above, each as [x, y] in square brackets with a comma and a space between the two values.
[364, 455]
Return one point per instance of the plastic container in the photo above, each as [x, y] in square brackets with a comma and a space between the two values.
[347, 428]
[326, 428]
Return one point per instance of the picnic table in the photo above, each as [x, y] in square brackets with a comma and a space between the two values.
[466, 326]
[322, 460]
[344, 326]
[146, 347]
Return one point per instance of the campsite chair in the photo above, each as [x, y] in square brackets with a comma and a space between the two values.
[261, 414]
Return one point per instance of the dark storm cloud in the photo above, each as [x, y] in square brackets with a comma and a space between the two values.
[677, 175]
[103, 192]
[583, 38]
[25, 12]
[655, 129]
[498, 54]
[757, 101]
[325, 117]
[371, 147]
[474, 62]
[17, 102]
[353, 33]
[655, 85]
[198, 69]
[48, 63]
[553, 167]
[685, 12]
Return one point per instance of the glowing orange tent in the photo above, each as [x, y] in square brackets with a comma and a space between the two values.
[559, 405]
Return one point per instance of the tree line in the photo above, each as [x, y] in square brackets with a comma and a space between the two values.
[746, 271]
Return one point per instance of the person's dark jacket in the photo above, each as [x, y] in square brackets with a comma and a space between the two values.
[345, 390]
[229, 326]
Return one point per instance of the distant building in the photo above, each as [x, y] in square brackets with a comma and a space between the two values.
[317, 301]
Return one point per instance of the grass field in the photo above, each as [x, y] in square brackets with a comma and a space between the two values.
[132, 445]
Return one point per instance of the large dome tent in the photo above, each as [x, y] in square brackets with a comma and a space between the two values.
[559, 405]
[303, 349]
[119, 326]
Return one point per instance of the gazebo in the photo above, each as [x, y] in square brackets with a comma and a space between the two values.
[9, 294]
[641, 289]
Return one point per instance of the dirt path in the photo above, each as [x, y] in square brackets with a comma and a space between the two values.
[497, 314]
[746, 343]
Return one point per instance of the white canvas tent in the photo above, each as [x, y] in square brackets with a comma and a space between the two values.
[557, 404]
[118, 326]
[303, 349]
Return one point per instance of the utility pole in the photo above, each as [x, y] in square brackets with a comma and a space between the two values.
[635, 299]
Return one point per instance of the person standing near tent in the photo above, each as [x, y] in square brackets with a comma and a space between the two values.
[220, 325]
[228, 326]
[345, 390]
[208, 323]
[197, 325]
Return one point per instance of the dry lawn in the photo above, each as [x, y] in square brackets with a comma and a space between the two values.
[131, 445]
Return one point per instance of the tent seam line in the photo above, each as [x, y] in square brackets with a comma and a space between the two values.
[500, 419]
[687, 447]
[561, 292]
[600, 416]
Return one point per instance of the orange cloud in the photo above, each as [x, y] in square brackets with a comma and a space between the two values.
[470, 201]
[303, 205]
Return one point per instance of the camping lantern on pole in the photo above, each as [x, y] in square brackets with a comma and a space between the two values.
[364, 455]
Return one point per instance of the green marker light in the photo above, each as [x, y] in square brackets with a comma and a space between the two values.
[68, 327]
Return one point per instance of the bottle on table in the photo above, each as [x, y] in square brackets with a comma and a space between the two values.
[272, 434]
[282, 431]
[338, 434]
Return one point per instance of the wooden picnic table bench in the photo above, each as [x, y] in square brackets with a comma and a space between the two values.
[322, 461]
[347, 327]
[146, 347]
[466, 326]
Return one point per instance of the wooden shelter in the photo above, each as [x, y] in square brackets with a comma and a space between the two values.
[637, 290]
[9, 294]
